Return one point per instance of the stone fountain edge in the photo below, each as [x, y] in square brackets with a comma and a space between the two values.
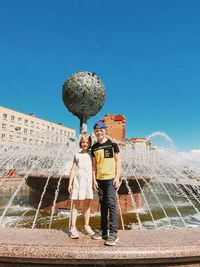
[43, 246]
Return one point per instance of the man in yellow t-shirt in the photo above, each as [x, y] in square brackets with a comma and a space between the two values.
[106, 172]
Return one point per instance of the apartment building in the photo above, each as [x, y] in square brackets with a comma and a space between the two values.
[116, 127]
[17, 127]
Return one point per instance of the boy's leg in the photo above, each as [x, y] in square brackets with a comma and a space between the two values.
[112, 206]
[103, 206]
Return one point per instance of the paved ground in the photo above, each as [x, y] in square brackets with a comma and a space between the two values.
[135, 248]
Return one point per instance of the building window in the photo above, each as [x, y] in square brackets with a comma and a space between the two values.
[3, 137]
[26, 121]
[24, 139]
[18, 129]
[12, 128]
[32, 123]
[25, 130]
[37, 125]
[12, 118]
[5, 116]
[31, 131]
[4, 126]
[11, 138]
[19, 120]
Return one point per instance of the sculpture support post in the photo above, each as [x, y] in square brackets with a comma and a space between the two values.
[83, 125]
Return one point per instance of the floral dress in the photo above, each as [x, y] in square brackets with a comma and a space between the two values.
[82, 184]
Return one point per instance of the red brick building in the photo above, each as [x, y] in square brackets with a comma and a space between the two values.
[116, 127]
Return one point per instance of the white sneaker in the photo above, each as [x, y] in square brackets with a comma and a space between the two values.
[73, 233]
[89, 230]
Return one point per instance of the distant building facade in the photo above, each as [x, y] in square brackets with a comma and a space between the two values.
[139, 143]
[16, 127]
[116, 127]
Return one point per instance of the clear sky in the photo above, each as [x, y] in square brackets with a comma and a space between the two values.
[146, 52]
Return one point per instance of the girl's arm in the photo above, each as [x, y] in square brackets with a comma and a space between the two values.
[72, 175]
[94, 171]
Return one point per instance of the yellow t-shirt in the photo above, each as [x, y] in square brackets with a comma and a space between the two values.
[104, 154]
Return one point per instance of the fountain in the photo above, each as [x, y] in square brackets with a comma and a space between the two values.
[166, 181]
[159, 186]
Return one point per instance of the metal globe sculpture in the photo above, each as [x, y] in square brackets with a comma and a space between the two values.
[83, 94]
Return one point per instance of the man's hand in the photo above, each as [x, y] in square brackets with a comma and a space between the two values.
[116, 183]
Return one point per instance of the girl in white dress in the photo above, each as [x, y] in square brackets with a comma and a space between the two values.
[80, 186]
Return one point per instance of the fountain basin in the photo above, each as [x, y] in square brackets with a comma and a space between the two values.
[177, 247]
[37, 183]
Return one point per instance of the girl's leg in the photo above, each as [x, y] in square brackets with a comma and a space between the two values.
[86, 217]
[74, 212]
[73, 233]
[86, 211]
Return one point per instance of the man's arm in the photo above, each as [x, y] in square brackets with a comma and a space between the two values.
[116, 182]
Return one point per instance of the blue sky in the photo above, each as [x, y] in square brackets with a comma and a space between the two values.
[147, 53]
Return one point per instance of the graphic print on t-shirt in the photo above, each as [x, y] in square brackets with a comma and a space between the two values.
[108, 152]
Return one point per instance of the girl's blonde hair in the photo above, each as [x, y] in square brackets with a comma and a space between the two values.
[85, 136]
